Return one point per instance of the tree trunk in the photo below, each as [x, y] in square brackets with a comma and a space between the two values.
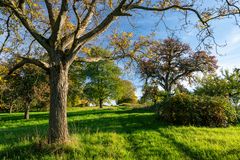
[101, 103]
[58, 128]
[11, 108]
[26, 112]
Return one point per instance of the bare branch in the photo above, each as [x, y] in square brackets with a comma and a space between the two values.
[30, 46]
[8, 34]
[184, 8]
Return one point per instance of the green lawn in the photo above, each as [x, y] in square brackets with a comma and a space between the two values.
[115, 133]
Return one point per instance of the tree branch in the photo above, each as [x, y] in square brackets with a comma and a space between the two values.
[19, 12]
[56, 31]
[118, 11]
[82, 25]
[184, 8]
[8, 34]
[41, 64]
[90, 59]
[50, 13]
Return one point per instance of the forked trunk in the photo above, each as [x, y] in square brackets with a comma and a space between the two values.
[58, 128]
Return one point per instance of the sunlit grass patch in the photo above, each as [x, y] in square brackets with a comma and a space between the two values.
[115, 133]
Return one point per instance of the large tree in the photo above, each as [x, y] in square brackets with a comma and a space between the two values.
[61, 29]
[168, 62]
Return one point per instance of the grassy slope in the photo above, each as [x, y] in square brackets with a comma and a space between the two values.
[116, 133]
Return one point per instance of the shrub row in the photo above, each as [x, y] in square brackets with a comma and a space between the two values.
[185, 109]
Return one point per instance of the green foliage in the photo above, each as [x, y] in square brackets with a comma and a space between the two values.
[77, 80]
[185, 109]
[212, 85]
[103, 78]
[152, 94]
[26, 87]
[226, 85]
[115, 133]
[126, 92]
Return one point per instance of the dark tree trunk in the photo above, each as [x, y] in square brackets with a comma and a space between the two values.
[101, 103]
[58, 128]
[26, 112]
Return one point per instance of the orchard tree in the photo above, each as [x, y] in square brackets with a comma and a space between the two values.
[233, 80]
[60, 29]
[28, 83]
[152, 93]
[77, 80]
[4, 86]
[126, 92]
[226, 85]
[169, 61]
[103, 77]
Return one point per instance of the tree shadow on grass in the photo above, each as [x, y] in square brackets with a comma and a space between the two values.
[42, 116]
[182, 147]
[127, 121]
[122, 123]
[113, 110]
[119, 124]
[35, 151]
[13, 117]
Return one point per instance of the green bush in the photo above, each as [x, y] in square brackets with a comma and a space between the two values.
[185, 109]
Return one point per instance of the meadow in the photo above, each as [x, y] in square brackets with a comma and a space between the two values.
[115, 133]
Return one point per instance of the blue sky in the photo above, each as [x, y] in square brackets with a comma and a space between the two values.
[225, 32]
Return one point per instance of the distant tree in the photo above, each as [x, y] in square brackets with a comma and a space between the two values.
[6, 97]
[28, 83]
[103, 78]
[233, 80]
[226, 85]
[169, 61]
[212, 85]
[126, 92]
[151, 93]
[77, 80]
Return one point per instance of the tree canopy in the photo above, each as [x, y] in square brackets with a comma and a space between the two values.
[103, 77]
[168, 62]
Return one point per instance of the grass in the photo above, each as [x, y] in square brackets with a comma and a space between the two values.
[115, 133]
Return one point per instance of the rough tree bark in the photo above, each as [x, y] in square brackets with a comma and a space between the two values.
[58, 128]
